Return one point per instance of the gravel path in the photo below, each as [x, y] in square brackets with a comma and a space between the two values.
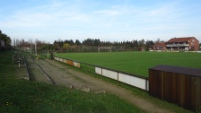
[62, 75]
[35, 72]
[114, 89]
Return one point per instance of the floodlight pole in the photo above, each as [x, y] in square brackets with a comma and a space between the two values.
[35, 48]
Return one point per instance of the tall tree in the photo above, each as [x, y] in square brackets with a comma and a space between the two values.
[6, 39]
[149, 44]
[77, 42]
[96, 42]
[66, 46]
[141, 43]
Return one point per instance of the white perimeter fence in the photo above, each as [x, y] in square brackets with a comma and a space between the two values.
[130, 79]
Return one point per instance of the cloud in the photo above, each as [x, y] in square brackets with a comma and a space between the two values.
[107, 12]
[83, 19]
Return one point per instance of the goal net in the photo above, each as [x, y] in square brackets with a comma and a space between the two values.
[104, 49]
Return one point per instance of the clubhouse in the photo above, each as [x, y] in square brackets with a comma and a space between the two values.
[178, 44]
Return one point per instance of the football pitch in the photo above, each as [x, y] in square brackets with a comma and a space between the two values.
[136, 62]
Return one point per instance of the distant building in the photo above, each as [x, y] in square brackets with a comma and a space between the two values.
[159, 46]
[178, 44]
[183, 44]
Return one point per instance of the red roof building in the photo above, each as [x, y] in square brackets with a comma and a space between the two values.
[159, 46]
[183, 44]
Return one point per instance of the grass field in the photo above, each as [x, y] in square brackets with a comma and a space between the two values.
[136, 62]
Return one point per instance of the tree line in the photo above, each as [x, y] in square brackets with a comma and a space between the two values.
[89, 42]
[5, 41]
[87, 45]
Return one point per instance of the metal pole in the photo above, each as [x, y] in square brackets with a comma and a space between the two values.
[19, 64]
[36, 48]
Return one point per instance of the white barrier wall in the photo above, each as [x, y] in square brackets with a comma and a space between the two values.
[98, 70]
[60, 59]
[125, 78]
[109, 74]
[65, 61]
[132, 80]
[55, 58]
[76, 64]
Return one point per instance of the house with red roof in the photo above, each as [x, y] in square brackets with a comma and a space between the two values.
[159, 46]
[183, 44]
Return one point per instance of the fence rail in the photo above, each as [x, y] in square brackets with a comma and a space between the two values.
[127, 78]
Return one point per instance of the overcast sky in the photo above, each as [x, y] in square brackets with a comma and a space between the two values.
[108, 20]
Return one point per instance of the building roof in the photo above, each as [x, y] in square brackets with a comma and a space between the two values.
[183, 39]
[159, 44]
[180, 70]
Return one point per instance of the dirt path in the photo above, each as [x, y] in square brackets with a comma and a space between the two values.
[35, 72]
[114, 89]
[62, 75]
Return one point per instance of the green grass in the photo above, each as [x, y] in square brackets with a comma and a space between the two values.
[136, 62]
[21, 96]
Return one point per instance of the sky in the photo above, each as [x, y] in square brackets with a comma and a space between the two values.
[107, 20]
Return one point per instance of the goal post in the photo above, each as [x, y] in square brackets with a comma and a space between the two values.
[104, 49]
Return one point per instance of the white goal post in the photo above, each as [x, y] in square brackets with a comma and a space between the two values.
[109, 49]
